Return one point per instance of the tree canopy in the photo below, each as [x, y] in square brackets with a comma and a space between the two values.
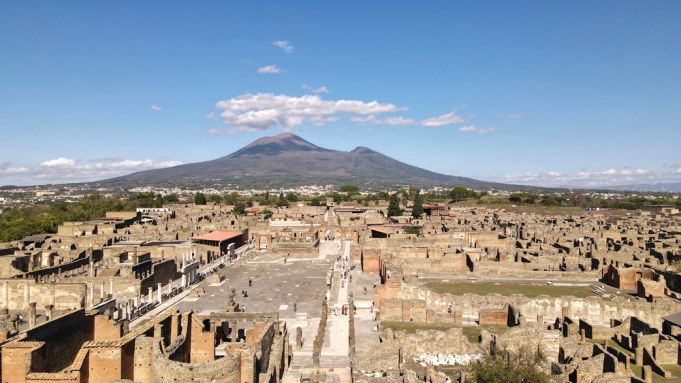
[200, 199]
[460, 193]
[16, 223]
[239, 208]
[349, 189]
[417, 210]
[394, 206]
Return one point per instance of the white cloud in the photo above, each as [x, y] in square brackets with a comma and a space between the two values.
[261, 111]
[320, 90]
[61, 162]
[599, 178]
[475, 129]
[269, 69]
[445, 119]
[63, 170]
[678, 170]
[391, 121]
[284, 46]
[155, 108]
[211, 116]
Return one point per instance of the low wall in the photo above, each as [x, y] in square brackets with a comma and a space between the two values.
[226, 369]
[595, 310]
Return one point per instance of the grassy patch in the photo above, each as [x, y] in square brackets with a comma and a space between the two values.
[657, 378]
[497, 329]
[411, 327]
[507, 289]
[472, 333]
[675, 370]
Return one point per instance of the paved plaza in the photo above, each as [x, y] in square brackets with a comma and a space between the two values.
[276, 287]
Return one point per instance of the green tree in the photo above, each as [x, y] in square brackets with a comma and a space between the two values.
[337, 197]
[549, 200]
[282, 202]
[267, 213]
[200, 199]
[158, 202]
[515, 198]
[292, 197]
[349, 191]
[231, 199]
[460, 193]
[239, 208]
[315, 201]
[412, 230]
[394, 206]
[215, 198]
[417, 210]
[171, 198]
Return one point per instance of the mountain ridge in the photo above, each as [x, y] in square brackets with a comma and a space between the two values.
[289, 160]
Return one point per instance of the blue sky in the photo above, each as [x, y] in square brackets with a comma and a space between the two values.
[550, 93]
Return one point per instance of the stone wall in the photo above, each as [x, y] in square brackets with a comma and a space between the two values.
[223, 370]
[16, 294]
[595, 310]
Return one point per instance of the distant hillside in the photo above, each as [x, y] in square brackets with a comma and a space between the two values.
[288, 160]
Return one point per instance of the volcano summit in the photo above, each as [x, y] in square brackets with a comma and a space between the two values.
[289, 160]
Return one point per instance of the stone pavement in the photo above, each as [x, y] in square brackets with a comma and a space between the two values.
[334, 357]
[276, 287]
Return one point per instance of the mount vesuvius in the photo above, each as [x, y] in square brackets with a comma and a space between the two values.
[288, 160]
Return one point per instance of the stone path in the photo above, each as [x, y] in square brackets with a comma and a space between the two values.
[334, 358]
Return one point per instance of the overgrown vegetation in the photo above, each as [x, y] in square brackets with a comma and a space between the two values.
[505, 366]
[20, 222]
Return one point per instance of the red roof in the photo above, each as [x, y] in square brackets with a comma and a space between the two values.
[218, 236]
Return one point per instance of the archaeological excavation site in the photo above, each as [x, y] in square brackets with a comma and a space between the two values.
[344, 293]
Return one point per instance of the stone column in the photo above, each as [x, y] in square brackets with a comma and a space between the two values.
[90, 295]
[111, 291]
[31, 315]
[647, 374]
[170, 287]
[639, 355]
[49, 312]
[5, 294]
[101, 292]
[160, 294]
[27, 294]
[235, 330]
[184, 280]
[151, 295]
